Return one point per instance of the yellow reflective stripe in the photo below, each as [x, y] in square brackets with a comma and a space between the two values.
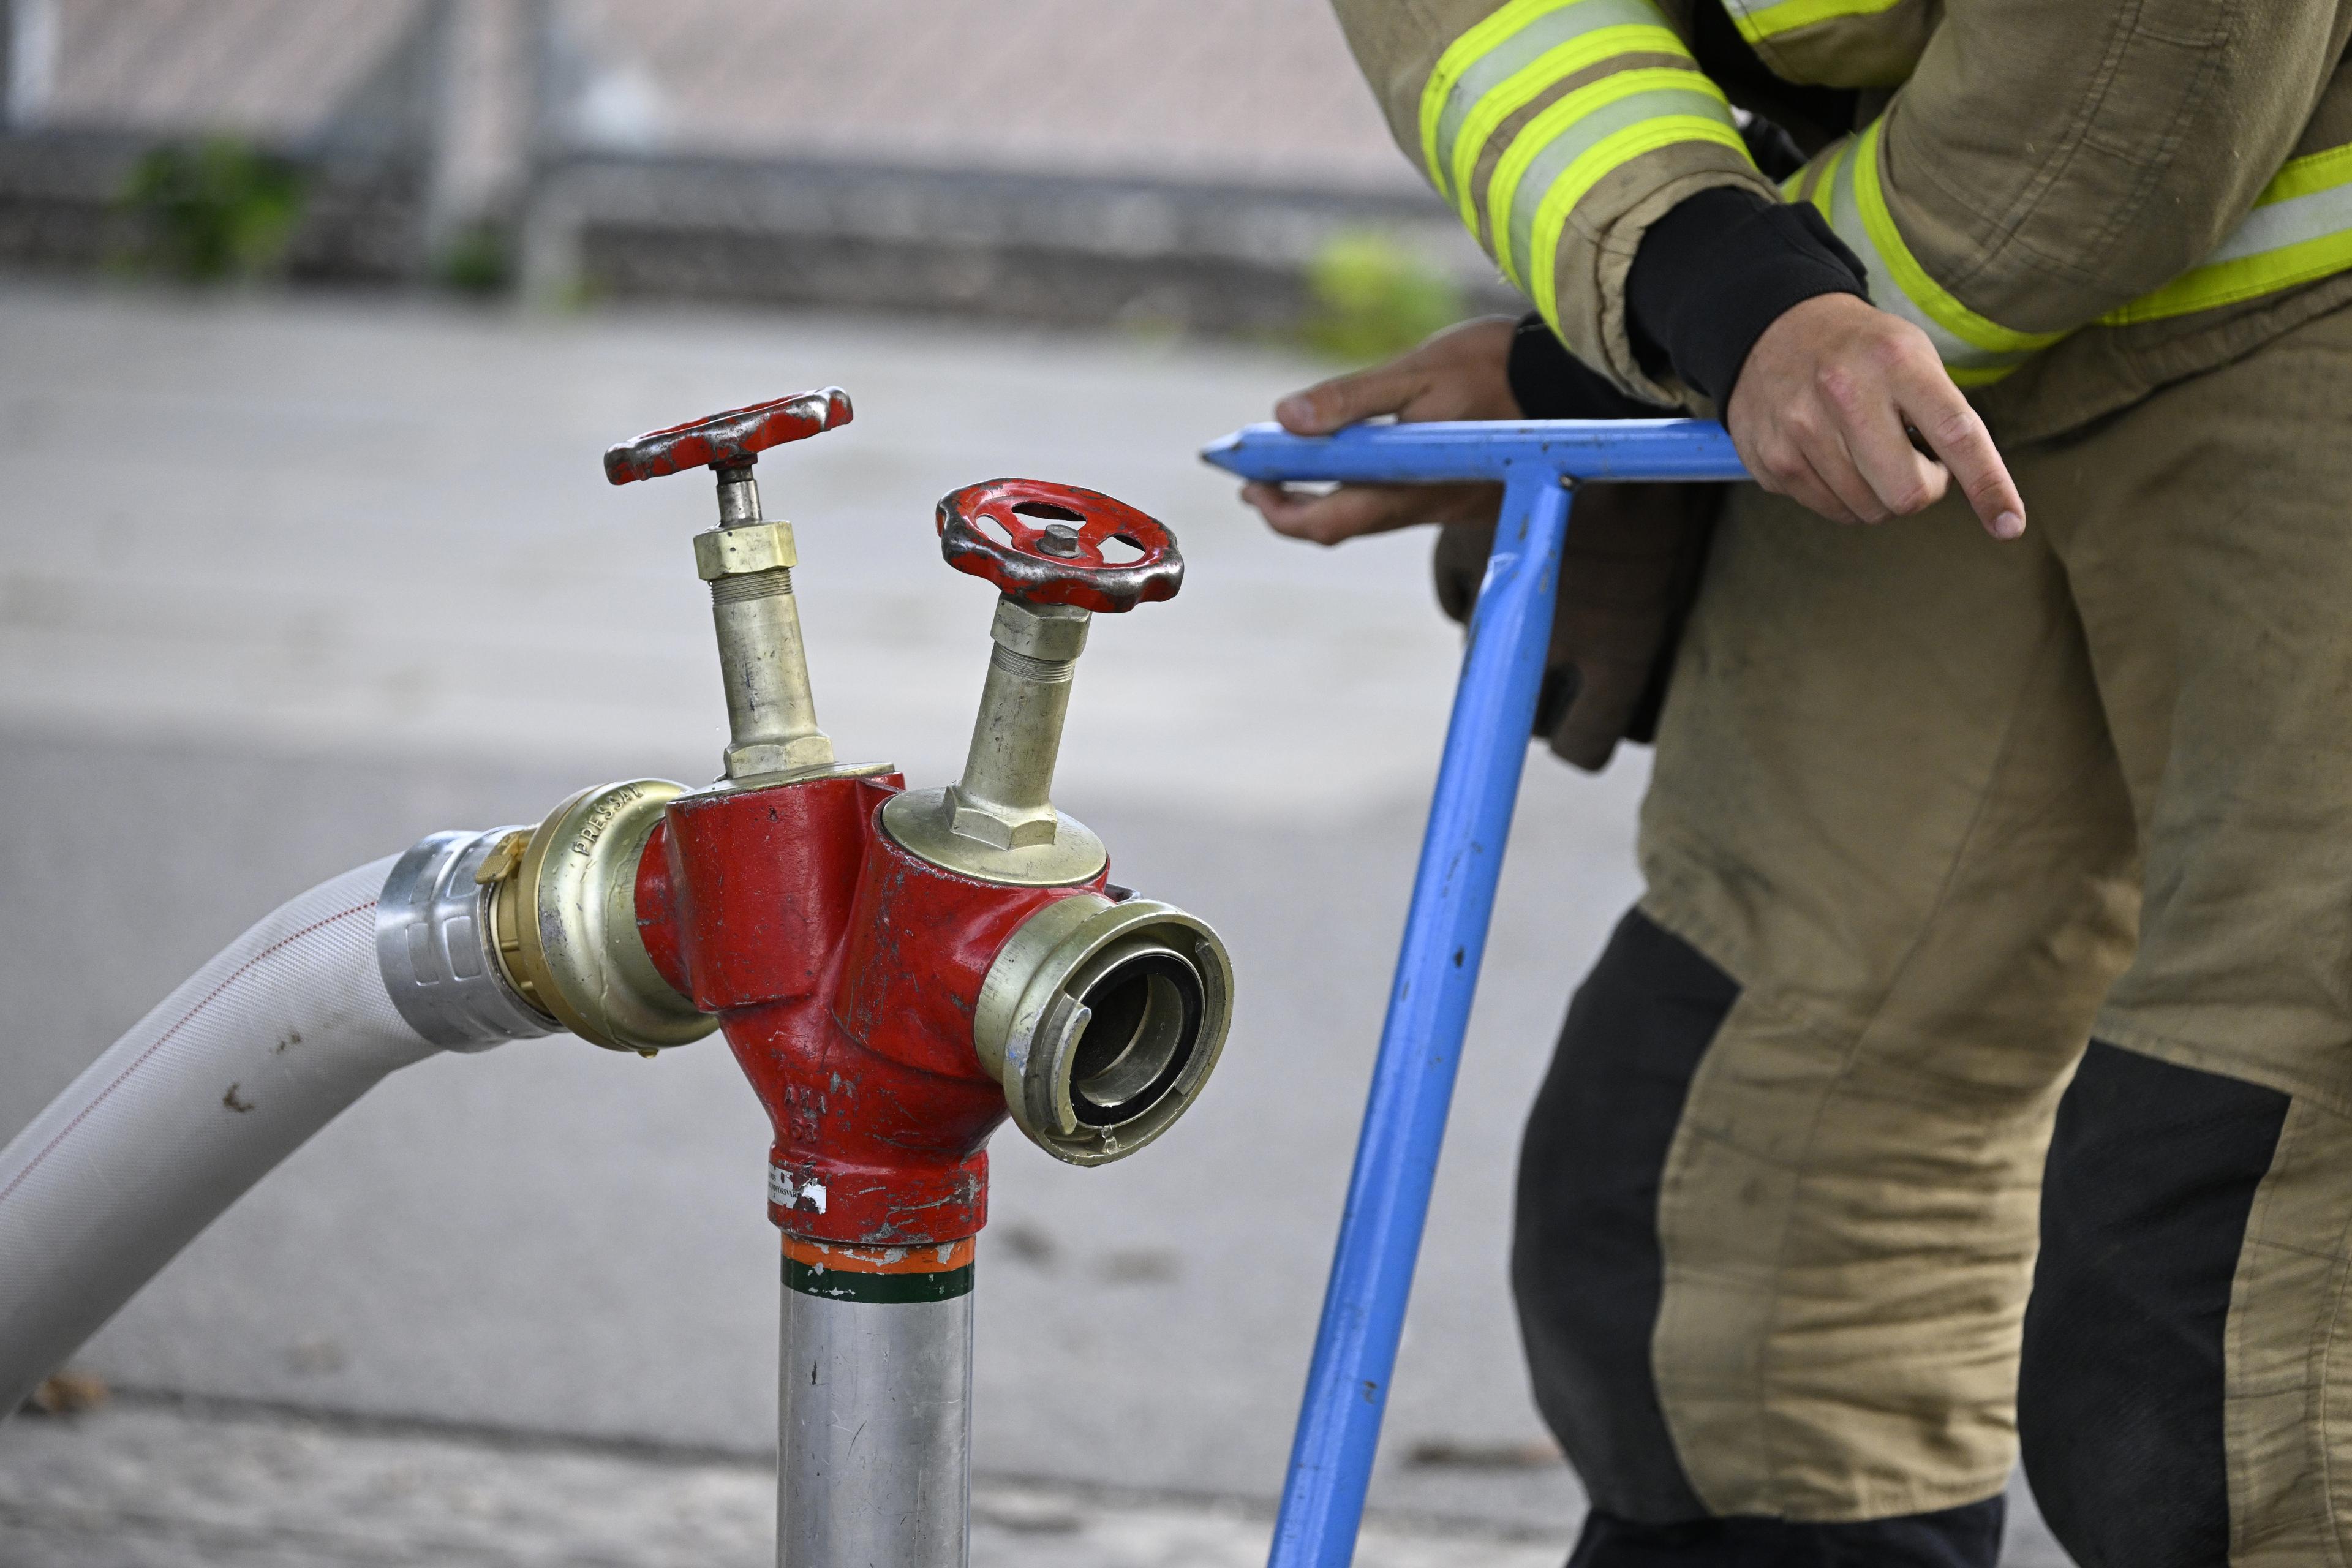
[1611, 153]
[1757, 23]
[1523, 87]
[2299, 231]
[1816, 180]
[1459, 57]
[2248, 278]
[1559, 123]
[1969, 363]
[1905, 272]
[2308, 175]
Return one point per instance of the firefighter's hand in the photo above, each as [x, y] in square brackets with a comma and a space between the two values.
[1824, 411]
[1459, 374]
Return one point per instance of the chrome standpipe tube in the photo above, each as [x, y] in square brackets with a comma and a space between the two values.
[874, 1443]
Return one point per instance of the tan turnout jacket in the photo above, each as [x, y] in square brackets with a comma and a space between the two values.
[2078, 200]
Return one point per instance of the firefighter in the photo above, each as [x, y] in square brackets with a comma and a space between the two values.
[1975, 1073]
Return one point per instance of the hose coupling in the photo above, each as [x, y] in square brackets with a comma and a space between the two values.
[562, 904]
[434, 946]
[1103, 1019]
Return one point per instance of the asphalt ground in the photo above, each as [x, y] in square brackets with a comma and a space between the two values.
[286, 583]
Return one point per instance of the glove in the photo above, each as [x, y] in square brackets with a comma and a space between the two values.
[1627, 577]
[1628, 574]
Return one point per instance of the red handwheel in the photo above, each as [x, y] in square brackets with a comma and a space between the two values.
[730, 440]
[1063, 545]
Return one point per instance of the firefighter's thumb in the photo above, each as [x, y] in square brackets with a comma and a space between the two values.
[1346, 399]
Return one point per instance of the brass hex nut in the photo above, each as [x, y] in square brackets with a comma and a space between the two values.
[739, 552]
[1041, 631]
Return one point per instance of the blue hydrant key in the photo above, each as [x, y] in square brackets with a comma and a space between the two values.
[1452, 893]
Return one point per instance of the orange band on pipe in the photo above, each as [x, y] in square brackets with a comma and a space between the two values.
[925, 1259]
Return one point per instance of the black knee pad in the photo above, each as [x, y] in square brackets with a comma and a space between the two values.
[1585, 1263]
[1964, 1537]
[2151, 1176]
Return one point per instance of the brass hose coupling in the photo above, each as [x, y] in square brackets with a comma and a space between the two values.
[521, 932]
[1103, 1019]
[563, 920]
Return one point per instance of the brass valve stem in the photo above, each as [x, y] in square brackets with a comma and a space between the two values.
[1005, 796]
[771, 709]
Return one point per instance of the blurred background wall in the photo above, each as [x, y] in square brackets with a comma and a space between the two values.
[1202, 165]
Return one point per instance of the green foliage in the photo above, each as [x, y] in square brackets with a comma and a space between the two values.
[478, 260]
[1373, 298]
[213, 209]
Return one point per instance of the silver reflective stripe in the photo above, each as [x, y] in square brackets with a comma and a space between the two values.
[1886, 292]
[2275, 226]
[1515, 52]
[1579, 138]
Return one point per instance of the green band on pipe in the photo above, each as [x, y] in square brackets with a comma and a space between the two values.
[841, 1285]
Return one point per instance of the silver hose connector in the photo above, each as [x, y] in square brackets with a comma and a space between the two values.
[435, 945]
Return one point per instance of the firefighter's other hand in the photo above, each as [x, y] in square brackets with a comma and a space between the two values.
[1462, 372]
[1826, 408]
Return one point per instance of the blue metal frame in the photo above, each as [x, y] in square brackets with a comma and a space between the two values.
[1452, 894]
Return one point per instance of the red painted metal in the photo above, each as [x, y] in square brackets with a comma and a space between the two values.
[1058, 534]
[845, 973]
[657, 928]
[732, 439]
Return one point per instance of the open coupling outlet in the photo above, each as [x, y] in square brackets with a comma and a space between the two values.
[1103, 1019]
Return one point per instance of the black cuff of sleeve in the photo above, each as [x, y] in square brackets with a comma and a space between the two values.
[1549, 383]
[1719, 268]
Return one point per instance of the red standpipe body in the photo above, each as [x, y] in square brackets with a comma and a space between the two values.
[845, 973]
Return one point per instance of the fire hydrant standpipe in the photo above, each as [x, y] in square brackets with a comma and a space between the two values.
[897, 972]
[1536, 462]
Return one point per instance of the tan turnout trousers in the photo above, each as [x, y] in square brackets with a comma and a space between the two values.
[1917, 793]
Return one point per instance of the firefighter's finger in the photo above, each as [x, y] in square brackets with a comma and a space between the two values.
[1813, 428]
[1784, 468]
[1934, 407]
[1902, 479]
[1345, 513]
[1347, 399]
[1834, 467]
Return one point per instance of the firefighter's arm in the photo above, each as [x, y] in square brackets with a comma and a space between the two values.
[1578, 140]
[2046, 167]
[1560, 130]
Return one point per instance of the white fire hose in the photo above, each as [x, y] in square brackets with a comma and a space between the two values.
[232, 1072]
